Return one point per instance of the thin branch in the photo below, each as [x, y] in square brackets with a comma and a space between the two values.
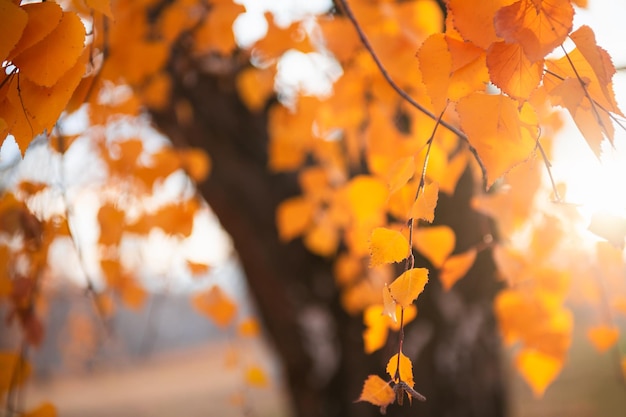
[366, 43]
[548, 165]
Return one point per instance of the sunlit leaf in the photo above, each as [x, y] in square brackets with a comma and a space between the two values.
[603, 337]
[293, 216]
[408, 286]
[48, 60]
[436, 243]
[502, 135]
[424, 206]
[400, 173]
[256, 377]
[406, 369]
[13, 20]
[538, 369]
[456, 267]
[512, 71]
[216, 305]
[377, 392]
[387, 246]
[474, 20]
[42, 19]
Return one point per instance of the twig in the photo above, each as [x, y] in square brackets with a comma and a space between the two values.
[366, 43]
[548, 165]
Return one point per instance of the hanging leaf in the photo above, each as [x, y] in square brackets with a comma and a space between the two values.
[256, 377]
[377, 392]
[406, 369]
[43, 18]
[408, 286]
[436, 243]
[456, 267]
[400, 173]
[603, 337]
[13, 20]
[293, 217]
[512, 71]
[216, 305]
[538, 369]
[502, 135]
[387, 246]
[424, 206]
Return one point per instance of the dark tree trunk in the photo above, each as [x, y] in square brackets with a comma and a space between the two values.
[453, 344]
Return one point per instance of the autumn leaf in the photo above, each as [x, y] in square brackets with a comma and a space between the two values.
[256, 377]
[424, 206]
[293, 217]
[377, 392]
[49, 59]
[512, 71]
[474, 20]
[43, 18]
[400, 173]
[456, 267]
[249, 328]
[436, 243]
[387, 246]
[406, 369]
[408, 286]
[603, 337]
[502, 135]
[538, 27]
[216, 305]
[111, 221]
[538, 369]
[13, 20]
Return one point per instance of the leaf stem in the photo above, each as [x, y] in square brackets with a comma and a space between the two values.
[401, 92]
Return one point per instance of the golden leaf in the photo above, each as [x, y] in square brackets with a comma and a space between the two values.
[406, 369]
[436, 243]
[424, 206]
[216, 305]
[408, 286]
[603, 337]
[456, 267]
[377, 392]
[387, 246]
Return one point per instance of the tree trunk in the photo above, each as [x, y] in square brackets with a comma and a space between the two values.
[453, 343]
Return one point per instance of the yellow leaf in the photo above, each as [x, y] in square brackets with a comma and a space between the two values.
[256, 377]
[293, 217]
[376, 328]
[48, 60]
[387, 246]
[377, 392]
[322, 239]
[13, 20]
[436, 243]
[249, 327]
[44, 410]
[400, 173]
[538, 369]
[367, 197]
[503, 134]
[406, 369]
[9, 376]
[603, 337]
[196, 163]
[389, 304]
[424, 206]
[216, 305]
[408, 286]
[456, 267]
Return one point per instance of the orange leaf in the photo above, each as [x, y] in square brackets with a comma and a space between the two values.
[197, 268]
[502, 135]
[216, 305]
[367, 197]
[42, 19]
[111, 222]
[603, 337]
[249, 327]
[512, 71]
[387, 246]
[44, 410]
[9, 378]
[48, 60]
[537, 26]
[322, 238]
[377, 392]
[456, 267]
[400, 173]
[538, 369]
[196, 163]
[13, 20]
[376, 328]
[473, 19]
[408, 286]
[424, 206]
[256, 377]
[293, 217]
[255, 86]
[406, 369]
[436, 243]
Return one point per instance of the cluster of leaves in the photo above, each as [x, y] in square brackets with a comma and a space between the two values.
[371, 158]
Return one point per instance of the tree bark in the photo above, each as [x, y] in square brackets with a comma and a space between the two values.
[453, 343]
